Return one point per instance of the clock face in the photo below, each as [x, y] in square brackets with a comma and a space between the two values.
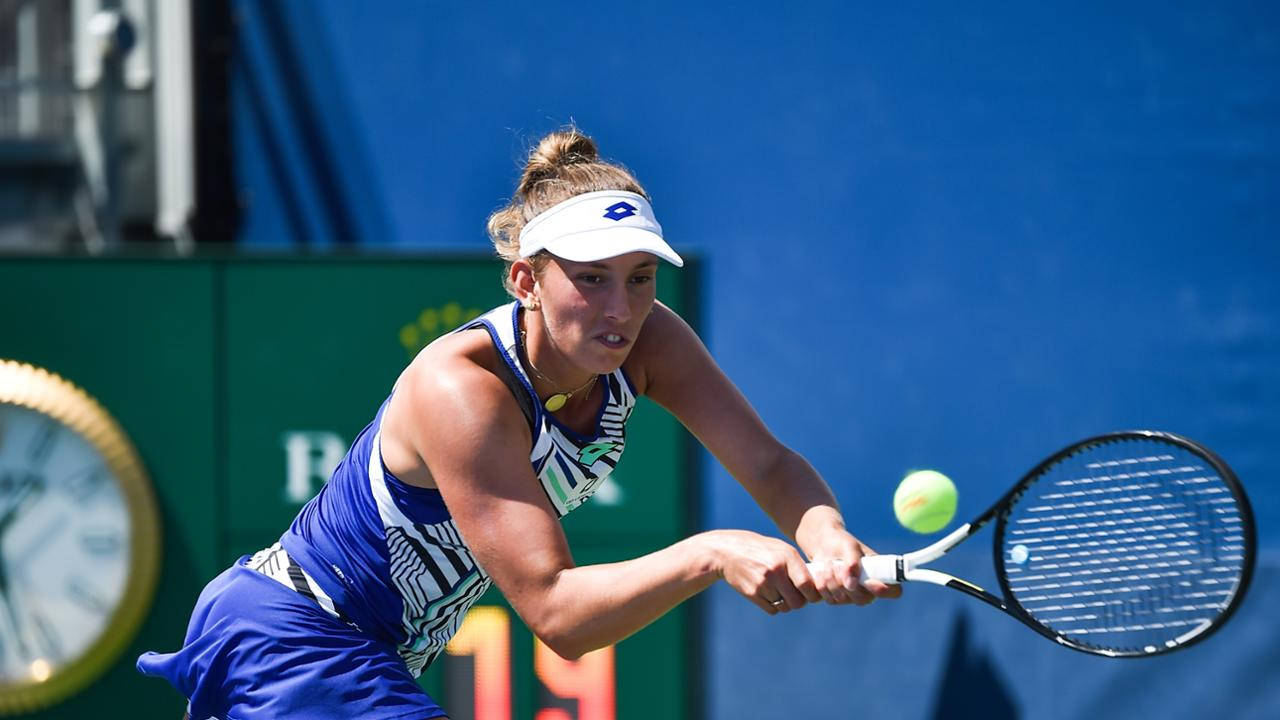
[79, 539]
[64, 545]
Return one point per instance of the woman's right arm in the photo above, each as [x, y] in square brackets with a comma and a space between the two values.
[475, 442]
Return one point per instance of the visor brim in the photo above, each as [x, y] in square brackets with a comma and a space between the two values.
[608, 243]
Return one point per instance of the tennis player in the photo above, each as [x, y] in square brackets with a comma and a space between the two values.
[489, 437]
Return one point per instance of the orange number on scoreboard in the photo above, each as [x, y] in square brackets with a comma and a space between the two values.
[588, 680]
[486, 636]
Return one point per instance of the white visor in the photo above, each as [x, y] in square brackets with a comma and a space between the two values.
[596, 226]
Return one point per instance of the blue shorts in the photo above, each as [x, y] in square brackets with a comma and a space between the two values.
[256, 649]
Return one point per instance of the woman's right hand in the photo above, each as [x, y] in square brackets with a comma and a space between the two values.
[767, 571]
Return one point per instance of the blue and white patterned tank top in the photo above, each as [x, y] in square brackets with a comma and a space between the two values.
[386, 557]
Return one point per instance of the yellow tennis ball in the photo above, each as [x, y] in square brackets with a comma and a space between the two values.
[925, 501]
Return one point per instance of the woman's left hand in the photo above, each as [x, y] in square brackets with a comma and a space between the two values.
[835, 564]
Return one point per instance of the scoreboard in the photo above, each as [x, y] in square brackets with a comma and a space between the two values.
[243, 379]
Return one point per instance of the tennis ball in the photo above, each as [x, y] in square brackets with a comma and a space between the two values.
[925, 501]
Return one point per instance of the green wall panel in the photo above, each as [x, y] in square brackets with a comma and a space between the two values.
[220, 367]
[136, 335]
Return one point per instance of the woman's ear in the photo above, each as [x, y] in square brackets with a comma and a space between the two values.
[525, 282]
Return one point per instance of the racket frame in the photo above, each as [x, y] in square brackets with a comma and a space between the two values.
[907, 567]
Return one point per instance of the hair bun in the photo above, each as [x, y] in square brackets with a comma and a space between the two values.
[564, 147]
[557, 150]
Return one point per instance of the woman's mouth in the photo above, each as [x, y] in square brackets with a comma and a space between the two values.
[613, 340]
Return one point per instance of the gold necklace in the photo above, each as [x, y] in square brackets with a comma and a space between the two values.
[558, 399]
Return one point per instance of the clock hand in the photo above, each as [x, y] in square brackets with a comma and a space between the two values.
[12, 511]
[23, 555]
[10, 612]
[34, 486]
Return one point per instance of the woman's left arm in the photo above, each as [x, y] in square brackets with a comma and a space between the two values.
[676, 371]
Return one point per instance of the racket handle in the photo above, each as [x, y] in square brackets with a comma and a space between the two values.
[879, 567]
[875, 567]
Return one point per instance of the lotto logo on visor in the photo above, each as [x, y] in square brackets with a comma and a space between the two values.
[620, 210]
[596, 226]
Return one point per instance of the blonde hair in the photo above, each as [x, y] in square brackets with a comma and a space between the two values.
[565, 163]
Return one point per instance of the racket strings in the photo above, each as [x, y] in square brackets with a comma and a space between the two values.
[1135, 545]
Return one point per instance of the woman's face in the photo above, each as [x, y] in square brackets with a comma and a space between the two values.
[593, 311]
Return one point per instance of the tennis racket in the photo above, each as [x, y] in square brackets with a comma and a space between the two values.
[1125, 545]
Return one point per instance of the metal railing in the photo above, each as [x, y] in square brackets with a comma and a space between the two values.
[37, 87]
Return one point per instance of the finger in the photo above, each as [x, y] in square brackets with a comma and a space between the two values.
[823, 586]
[861, 596]
[802, 580]
[839, 594]
[850, 578]
[829, 582]
[847, 573]
[842, 595]
[884, 590]
[878, 588]
[791, 597]
[827, 587]
[768, 607]
[822, 582]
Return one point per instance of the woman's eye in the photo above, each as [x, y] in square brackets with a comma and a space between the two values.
[642, 279]
[592, 279]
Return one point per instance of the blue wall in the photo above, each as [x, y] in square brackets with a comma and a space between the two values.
[946, 236]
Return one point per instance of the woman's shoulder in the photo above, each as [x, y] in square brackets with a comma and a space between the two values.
[465, 361]
[665, 339]
[451, 396]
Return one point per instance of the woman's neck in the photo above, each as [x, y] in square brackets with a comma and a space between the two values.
[551, 374]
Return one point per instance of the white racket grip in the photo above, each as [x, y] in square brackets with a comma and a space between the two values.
[879, 567]
[874, 567]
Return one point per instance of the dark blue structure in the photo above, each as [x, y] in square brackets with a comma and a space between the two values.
[949, 236]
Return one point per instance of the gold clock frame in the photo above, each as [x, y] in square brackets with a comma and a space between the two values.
[37, 389]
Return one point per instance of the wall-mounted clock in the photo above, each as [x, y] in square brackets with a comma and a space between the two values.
[79, 539]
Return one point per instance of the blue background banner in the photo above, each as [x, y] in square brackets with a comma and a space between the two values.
[935, 235]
